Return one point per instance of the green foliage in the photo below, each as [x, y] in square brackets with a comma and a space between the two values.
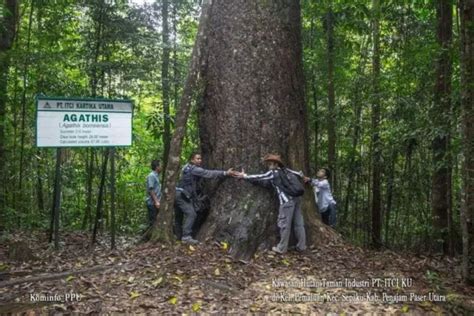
[114, 48]
[90, 48]
[408, 50]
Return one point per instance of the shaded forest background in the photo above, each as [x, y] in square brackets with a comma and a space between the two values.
[401, 157]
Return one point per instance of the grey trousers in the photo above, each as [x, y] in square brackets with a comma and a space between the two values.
[185, 206]
[290, 215]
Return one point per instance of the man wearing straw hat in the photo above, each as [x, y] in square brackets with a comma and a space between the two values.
[289, 213]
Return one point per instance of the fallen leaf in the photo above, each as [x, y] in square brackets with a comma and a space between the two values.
[177, 278]
[196, 307]
[173, 300]
[217, 272]
[157, 281]
[70, 278]
[405, 309]
[225, 245]
[191, 248]
[134, 295]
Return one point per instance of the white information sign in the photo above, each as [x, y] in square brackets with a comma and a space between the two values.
[62, 122]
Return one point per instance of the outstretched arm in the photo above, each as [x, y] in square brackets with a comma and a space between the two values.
[320, 184]
[263, 179]
[298, 173]
[211, 174]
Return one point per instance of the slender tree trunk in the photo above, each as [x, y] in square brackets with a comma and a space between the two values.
[100, 199]
[357, 129]
[162, 231]
[314, 97]
[112, 197]
[39, 183]
[467, 104]
[390, 185]
[175, 56]
[332, 112]
[253, 105]
[23, 107]
[7, 35]
[90, 176]
[165, 84]
[376, 144]
[440, 117]
[56, 209]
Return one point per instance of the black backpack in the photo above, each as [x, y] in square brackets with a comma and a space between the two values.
[290, 183]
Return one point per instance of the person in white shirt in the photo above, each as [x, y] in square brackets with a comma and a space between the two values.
[323, 196]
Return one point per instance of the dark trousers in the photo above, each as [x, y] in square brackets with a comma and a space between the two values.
[329, 216]
[152, 212]
[179, 215]
[183, 207]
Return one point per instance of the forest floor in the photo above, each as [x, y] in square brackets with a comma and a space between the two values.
[145, 278]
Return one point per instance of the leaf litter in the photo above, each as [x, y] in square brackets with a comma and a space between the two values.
[203, 278]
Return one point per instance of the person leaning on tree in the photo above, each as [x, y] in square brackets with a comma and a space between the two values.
[187, 193]
[153, 192]
[323, 196]
[289, 213]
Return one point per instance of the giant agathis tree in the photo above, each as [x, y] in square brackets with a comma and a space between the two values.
[252, 103]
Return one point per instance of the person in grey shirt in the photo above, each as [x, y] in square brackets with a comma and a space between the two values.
[289, 213]
[187, 194]
[324, 199]
[153, 192]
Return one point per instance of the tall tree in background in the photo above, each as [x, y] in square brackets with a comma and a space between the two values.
[331, 122]
[441, 113]
[467, 103]
[253, 104]
[165, 83]
[376, 144]
[8, 22]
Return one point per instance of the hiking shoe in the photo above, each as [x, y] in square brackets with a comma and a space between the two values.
[189, 240]
[275, 249]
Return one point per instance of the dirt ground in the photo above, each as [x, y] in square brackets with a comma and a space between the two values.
[145, 278]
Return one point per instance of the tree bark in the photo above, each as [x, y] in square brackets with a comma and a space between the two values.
[57, 200]
[112, 198]
[467, 104]
[7, 35]
[253, 104]
[331, 122]
[376, 144]
[86, 223]
[100, 198]
[165, 84]
[24, 117]
[162, 231]
[441, 114]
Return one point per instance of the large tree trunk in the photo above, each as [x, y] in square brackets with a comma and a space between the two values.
[467, 103]
[7, 33]
[440, 119]
[253, 104]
